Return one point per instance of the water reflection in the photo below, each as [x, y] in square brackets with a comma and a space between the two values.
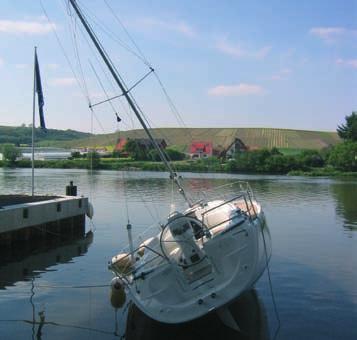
[248, 311]
[345, 195]
[24, 263]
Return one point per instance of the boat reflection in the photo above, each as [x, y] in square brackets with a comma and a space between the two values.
[25, 263]
[248, 311]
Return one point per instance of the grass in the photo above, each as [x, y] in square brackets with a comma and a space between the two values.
[323, 172]
[291, 151]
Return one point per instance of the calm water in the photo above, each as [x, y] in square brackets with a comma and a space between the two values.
[313, 223]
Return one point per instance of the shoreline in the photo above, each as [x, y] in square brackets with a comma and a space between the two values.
[181, 166]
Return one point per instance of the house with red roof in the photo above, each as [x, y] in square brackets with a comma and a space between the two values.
[201, 149]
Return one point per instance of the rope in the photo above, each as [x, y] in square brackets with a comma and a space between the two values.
[269, 278]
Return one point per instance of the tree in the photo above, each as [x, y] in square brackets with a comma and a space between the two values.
[154, 155]
[116, 154]
[94, 159]
[344, 156]
[311, 158]
[76, 154]
[10, 152]
[348, 131]
[135, 151]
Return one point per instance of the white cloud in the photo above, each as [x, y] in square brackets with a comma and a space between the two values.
[1, 62]
[241, 89]
[62, 81]
[238, 51]
[331, 34]
[25, 27]
[180, 27]
[350, 62]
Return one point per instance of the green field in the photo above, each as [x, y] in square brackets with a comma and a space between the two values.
[254, 138]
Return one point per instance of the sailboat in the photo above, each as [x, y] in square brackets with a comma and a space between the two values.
[204, 257]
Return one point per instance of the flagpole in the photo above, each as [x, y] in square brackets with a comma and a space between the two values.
[33, 127]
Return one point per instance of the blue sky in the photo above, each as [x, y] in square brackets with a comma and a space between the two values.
[282, 64]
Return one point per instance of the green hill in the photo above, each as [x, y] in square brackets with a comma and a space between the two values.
[22, 135]
[222, 137]
[254, 138]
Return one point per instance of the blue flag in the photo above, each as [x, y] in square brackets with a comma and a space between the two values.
[38, 89]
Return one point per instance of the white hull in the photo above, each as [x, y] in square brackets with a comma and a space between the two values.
[235, 257]
[238, 258]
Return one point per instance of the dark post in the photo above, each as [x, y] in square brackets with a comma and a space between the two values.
[71, 190]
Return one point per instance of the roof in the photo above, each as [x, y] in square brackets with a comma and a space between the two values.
[203, 147]
[120, 144]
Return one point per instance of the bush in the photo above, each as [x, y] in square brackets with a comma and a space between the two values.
[344, 156]
[175, 155]
[311, 158]
[10, 152]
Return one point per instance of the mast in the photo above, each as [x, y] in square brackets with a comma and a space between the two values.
[33, 128]
[120, 83]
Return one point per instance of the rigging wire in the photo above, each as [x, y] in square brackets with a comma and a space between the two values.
[150, 125]
[101, 84]
[142, 58]
[54, 31]
[73, 30]
[129, 36]
[172, 105]
[96, 21]
[103, 88]
[62, 48]
[105, 74]
[125, 88]
[82, 87]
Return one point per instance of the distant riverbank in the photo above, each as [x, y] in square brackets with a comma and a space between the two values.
[182, 166]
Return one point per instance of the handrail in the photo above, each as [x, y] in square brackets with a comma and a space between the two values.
[248, 206]
[126, 273]
[220, 205]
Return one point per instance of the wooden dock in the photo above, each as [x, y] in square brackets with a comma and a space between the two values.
[26, 218]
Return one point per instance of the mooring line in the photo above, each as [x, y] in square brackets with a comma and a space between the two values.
[270, 282]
